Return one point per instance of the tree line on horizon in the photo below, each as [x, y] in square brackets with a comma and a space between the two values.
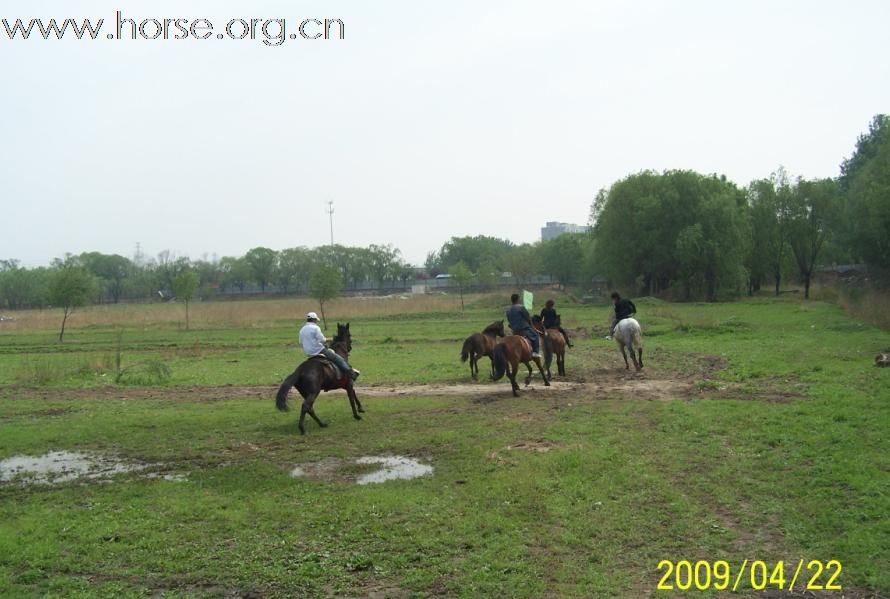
[676, 233]
[686, 235]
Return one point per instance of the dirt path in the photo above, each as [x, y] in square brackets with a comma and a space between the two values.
[604, 385]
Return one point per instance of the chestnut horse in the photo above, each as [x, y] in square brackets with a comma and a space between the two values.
[481, 344]
[553, 343]
[318, 374]
[507, 356]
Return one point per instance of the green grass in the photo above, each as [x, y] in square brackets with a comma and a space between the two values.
[781, 451]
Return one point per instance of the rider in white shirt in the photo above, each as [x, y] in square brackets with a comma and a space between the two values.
[313, 342]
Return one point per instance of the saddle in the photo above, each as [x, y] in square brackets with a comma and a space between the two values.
[333, 371]
[526, 344]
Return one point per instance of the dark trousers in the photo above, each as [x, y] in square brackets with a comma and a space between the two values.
[337, 359]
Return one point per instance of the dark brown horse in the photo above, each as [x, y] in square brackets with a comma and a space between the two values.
[507, 356]
[318, 374]
[554, 344]
[482, 344]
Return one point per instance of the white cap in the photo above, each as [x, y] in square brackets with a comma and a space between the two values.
[312, 316]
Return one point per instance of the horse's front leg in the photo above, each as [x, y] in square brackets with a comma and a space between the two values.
[353, 400]
[358, 404]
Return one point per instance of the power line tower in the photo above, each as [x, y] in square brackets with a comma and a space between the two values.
[330, 212]
[138, 257]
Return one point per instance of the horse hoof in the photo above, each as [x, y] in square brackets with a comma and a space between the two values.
[362, 410]
[356, 416]
[302, 431]
[323, 424]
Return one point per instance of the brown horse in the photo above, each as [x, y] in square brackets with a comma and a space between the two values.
[482, 344]
[318, 374]
[553, 343]
[507, 356]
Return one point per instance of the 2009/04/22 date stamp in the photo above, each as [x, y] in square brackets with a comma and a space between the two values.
[813, 575]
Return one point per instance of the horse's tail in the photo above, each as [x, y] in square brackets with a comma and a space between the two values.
[281, 397]
[467, 348]
[499, 358]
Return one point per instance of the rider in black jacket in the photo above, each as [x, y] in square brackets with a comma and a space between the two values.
[624, 308]
[553, 321]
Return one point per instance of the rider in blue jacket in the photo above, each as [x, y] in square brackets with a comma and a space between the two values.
[521, 323]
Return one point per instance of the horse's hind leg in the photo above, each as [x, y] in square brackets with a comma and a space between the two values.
[474, 367]
[528, 379]
[309, 408]
[511, 373]
[640, 351]
[624, 355]
[541, 369]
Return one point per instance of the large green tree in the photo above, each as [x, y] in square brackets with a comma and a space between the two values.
[111, 269]
[261, 261]
[294, 267]
[770, 208]
[472, 251]
[865, 182]
[812, 208]
[563, 258]
[658, 229]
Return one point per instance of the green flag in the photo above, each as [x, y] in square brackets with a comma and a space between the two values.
[528, 300]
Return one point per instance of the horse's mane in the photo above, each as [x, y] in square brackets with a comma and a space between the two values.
[493, 328]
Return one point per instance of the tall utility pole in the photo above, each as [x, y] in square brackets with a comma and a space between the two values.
[331, 217]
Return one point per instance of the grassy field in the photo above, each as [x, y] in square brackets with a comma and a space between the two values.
[758, 430]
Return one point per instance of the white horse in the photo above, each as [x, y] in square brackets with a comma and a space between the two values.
[629, 335]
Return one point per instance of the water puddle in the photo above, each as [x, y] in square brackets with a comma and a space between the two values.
[362, 471]
[66, 466]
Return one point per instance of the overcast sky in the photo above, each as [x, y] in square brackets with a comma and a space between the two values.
[430, 120]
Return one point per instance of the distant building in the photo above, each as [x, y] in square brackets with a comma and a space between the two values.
[555, 229]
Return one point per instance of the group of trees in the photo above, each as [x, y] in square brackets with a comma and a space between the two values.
[677, 232]
[704, 235]
[115, 278]
[482, 262]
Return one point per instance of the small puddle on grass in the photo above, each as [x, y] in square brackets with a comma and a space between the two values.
[389, 468]
[65, 466]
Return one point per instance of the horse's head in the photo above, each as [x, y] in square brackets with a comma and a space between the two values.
[343, 336]
[500, 329]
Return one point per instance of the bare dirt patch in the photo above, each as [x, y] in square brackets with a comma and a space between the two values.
[692, 378]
